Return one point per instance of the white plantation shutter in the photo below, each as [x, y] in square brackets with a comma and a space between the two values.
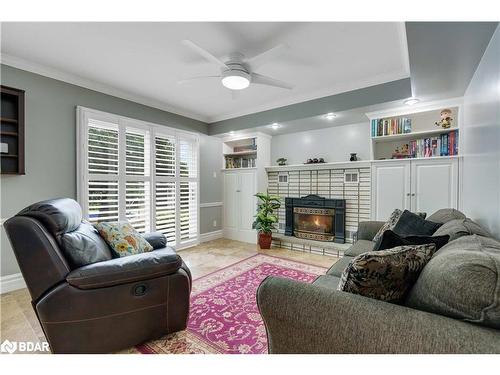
[188, 189]
[165, 187]
[102, 162]
[137, 179]
[144, 173]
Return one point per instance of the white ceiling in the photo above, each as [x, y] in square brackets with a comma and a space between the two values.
[147, 59]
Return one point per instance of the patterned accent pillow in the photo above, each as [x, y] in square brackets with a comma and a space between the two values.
[389, 224]
[387, 275]
[123, 238]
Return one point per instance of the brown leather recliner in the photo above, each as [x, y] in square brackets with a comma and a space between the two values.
[107, 305]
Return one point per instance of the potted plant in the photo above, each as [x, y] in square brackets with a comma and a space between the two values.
[281, 161]
[265, 220]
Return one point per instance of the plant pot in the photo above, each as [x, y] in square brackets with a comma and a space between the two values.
[265, 240]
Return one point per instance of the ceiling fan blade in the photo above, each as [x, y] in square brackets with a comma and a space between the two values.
[262, 58]
[263, 80]
[204, 53]
[188, 80]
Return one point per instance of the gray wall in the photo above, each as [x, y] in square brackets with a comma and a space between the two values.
[332, 144]
[481, 148]
[211, 187]
[50, 145]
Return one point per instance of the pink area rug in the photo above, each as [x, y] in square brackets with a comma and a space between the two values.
[224, 317]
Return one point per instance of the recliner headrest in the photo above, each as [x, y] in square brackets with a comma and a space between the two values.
[60, 215]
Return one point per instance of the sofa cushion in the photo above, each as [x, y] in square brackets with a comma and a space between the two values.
[123, 238]
[389, 224]
[391, 239]
[445, 214]
[410, 224]
[339, 266]
[462, 281]
[327, 281]
[386, 275]
[359, 247]
[461, 227]
[84, 246]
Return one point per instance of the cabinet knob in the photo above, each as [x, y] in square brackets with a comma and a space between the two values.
[238, 191]
[413, 194]
[407, 194]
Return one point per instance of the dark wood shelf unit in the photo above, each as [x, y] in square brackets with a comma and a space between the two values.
[12, 130]
[8, 120]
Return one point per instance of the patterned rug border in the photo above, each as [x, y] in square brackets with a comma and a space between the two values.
[256, 255]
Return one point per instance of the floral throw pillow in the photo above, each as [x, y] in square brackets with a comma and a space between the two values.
[123, 238]
[389, 224]
[387, 275]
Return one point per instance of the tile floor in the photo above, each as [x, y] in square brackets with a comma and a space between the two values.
[19, 323]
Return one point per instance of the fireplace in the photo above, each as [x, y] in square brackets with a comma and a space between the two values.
[315, 218]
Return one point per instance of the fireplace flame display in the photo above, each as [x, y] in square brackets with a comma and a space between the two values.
[314, 223]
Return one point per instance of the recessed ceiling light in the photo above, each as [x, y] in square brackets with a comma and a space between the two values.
[275, 126]
[411, 101]
[235, 80]
[330, 116]
[231, 132]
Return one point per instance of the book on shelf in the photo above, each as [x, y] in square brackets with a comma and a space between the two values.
[390, 126]
[442, 145]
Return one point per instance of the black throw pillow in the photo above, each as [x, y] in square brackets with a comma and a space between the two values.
[410, 224]
[390, 239]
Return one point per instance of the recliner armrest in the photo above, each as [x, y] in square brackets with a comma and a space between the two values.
[156, 239]
[125, 270]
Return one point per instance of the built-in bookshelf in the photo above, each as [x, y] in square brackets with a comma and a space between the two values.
[412, 132]
[240, 153]
[12, 131]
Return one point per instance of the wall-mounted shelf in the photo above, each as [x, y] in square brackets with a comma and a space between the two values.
[12, 131]
[411, 133]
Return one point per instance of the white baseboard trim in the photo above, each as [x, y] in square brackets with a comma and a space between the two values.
[210, 236]
[11, 282]
[211, 204]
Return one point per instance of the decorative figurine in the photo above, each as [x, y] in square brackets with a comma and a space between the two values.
[321, 160]
[281, 161]
[353, 157]
[446, 119]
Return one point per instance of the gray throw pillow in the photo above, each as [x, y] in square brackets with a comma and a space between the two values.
[386, 275]
[84, 246]
[446, 214]
[459, 228]
[462, 281]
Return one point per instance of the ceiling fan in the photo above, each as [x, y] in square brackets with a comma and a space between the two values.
[237, 73]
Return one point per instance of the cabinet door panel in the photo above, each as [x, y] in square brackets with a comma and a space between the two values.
[247, 201]
[434, 185]
[390, 188]
[231, 187]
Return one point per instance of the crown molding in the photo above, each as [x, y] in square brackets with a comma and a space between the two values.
[76, 80]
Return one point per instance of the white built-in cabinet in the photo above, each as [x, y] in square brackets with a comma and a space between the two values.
[416, 185]
[242, 183]
[239, 204]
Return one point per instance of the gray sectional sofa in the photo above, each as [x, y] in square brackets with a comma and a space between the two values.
[454, 307]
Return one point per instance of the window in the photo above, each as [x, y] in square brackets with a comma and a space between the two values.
[144, 173]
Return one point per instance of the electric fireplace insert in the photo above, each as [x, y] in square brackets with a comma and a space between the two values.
[315, 218]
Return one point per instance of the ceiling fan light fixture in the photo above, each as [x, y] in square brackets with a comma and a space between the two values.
[330, 116]
[235, 79]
